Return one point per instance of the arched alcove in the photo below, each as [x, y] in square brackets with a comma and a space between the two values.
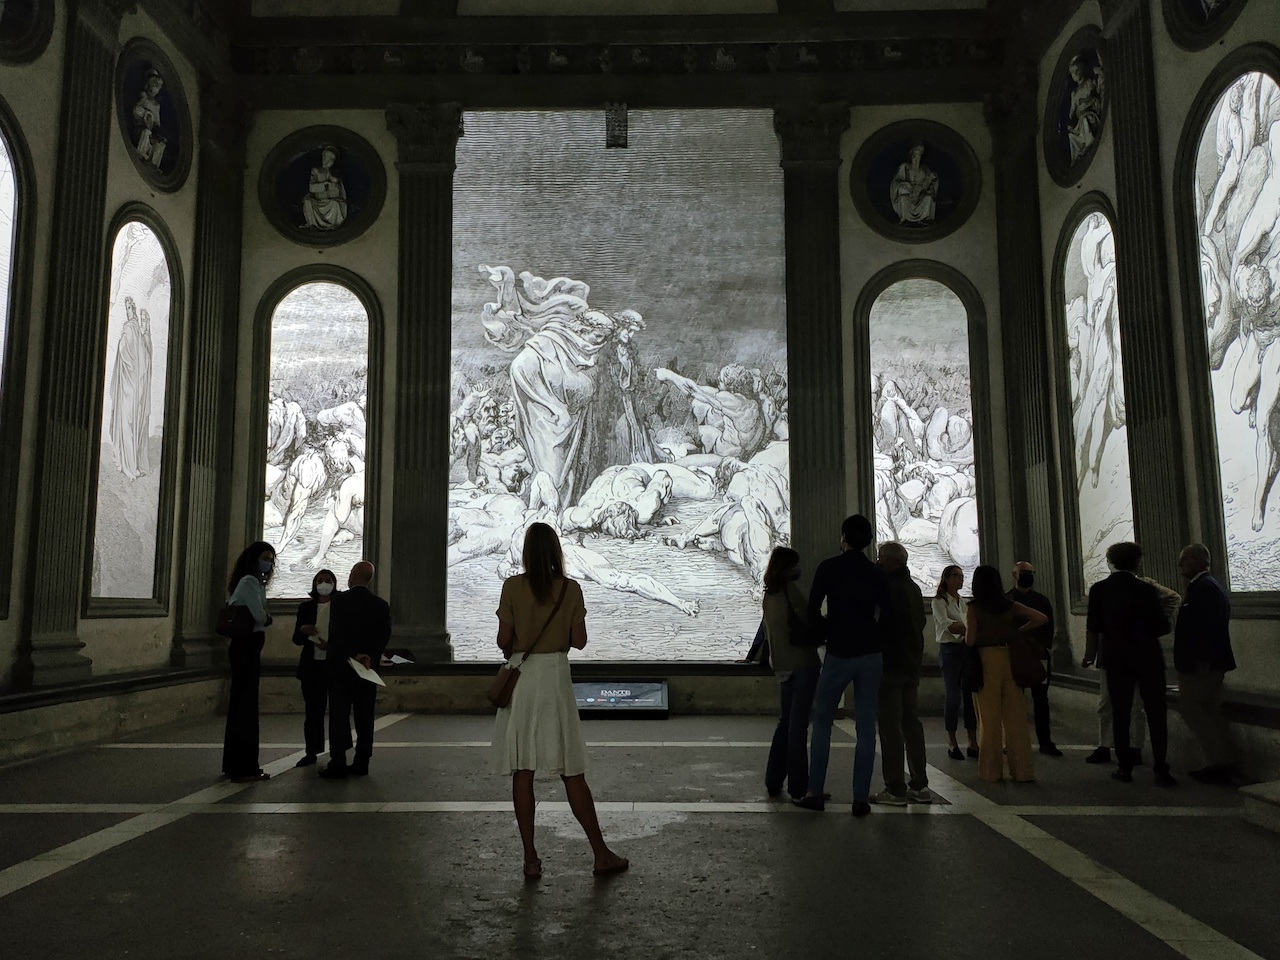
[1228, 188]
[318, 375]
[127, 559]
[925, 346]
[1091, 386]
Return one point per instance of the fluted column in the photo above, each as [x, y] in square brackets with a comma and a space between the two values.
[1147, 330]
[427, 135]
[809, 135]
[1033, 470]
[210, 427]
[74, 328]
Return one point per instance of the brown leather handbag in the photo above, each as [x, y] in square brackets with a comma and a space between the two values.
[504, 684]
[1025, 663]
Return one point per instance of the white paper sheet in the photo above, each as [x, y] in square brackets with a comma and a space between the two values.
[364, 673]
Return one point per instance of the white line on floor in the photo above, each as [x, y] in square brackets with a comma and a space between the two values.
[448, 744]
[24, 874]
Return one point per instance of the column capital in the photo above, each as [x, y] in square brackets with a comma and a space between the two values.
[427, 134]
[810, 134]
[1010, 111]
[224, 120]
[1114, 11]
[103, 17]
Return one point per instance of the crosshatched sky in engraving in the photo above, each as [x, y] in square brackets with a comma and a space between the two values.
[132, 439]
[1237, 192]
[619, 371]
[1097, 394]
[922, 423]
[314, 478]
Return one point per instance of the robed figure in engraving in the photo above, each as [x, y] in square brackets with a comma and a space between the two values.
[131, 394]
[325, 205]
[914, 190]
[148, 141]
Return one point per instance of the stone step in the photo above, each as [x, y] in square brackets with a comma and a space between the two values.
[1262, 804]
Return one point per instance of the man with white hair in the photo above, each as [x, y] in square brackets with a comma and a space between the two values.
[1202, 656]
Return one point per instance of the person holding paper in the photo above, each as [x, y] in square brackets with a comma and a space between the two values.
[541, 615]
[359, 630]
[311, 634]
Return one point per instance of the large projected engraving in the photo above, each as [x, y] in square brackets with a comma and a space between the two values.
[314, 510]
[8, 215]
[124, 542]
[620, 372]
[922, 423]
[1097, 394]
[1238, 209]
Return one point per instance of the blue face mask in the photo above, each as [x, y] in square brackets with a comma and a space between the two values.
[265, 566]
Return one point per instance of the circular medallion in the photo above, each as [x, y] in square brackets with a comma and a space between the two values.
[153, 115]
[25, 28]
[915, 181]
[1076, 108]
[322, 186]
[1195, 24]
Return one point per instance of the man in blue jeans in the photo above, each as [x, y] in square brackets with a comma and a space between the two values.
[855, 591]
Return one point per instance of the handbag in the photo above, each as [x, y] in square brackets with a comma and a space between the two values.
[1026, 666]
[235, 622]
[504, 684]
[971, 670]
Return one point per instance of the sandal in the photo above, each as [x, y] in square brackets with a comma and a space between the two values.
[533, 869]
[955, 753]
[619, 864]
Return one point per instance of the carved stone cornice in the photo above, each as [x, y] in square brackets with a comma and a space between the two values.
[810, 134]
[427, 134]
[103, 17]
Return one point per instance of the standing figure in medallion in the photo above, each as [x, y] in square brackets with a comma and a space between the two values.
[147, 138]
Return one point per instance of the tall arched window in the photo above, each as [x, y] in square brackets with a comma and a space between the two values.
[922, 425]
[1100, 440]
[1237, 217]
[316, 433]
[8, 220]
[126, 522]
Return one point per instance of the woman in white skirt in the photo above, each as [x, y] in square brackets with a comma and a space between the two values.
[540, 615]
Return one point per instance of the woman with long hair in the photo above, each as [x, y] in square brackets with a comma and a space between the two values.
[991, 620]
[541, 615]
[797, 669]
[950, 614]
[312, 634]
[247, 586]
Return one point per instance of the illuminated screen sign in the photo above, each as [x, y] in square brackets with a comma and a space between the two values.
[621, 695]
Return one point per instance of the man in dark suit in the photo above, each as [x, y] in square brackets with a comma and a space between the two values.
[1125, 612]
[359, 629]
[1202, 656]
[1041, 640]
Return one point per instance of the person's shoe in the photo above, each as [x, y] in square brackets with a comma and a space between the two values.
[1101, 755]
[955, 753]
[1124, 776]
[1135, 757]
[919, 796]
[861, 808]
[1050, 750]
[332, 772]
[1165, 779]
[810, 803]
[971, 752]
[773, 794]
[306, 761]
[890, 799]
[358, 770]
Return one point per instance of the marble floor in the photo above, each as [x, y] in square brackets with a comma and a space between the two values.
[135, 849]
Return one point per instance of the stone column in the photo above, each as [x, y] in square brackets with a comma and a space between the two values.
[809, 135]
[427, 135]
[1033, 470]
[210, 421]
[74, 328]
[1147, 328]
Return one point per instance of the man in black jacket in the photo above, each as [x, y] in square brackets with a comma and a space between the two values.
[1202, 656]
[1024, 577]
[359, 629]
[902, 648]
[1126, 613]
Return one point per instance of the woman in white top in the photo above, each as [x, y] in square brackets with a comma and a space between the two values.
[541, 615]
[312, 634]
[949, 611]
[248, 588]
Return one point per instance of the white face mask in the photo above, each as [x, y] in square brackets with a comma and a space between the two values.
[324, 589]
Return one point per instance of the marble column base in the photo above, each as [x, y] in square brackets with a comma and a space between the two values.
[197, 652]
[51, 662]
[423, 647]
